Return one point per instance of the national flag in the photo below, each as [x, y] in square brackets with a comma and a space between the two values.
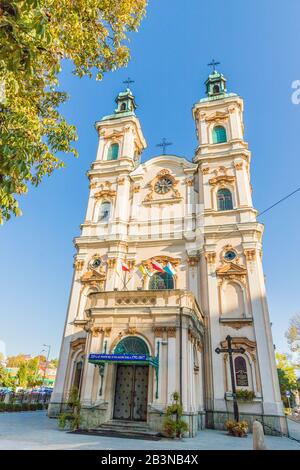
[143, 271]
[157, 266]
[124, 267]
[169, 269]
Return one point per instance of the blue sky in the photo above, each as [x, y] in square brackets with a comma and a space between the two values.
[257, 44]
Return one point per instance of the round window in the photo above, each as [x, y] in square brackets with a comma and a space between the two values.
[96, 263]
[230, 255]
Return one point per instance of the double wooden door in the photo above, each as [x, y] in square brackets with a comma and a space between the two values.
[131, 393]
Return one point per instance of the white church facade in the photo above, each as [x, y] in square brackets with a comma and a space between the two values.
[168, 264]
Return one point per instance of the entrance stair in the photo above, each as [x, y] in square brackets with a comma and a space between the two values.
[127, 429]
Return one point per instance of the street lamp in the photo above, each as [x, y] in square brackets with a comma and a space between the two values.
[47, 360]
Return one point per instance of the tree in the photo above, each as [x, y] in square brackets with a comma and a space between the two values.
[5, 379]
[293, 334]
[16, 361]
[53, 363]
[22, 375]
[35, 36]
[287, 377]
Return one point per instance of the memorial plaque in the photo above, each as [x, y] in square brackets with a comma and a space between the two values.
[241, 378]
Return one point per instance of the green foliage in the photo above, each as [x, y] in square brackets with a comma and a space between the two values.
[35, 36]
[22, 375]
[21, 406]
[15, 361]
[287, 376]
[5, 379]
[71, 418]
[174, 425]
[245, 395]
[293, 335]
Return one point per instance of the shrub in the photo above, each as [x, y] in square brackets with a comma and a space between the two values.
[237, 428]
[174, 426]
[245, 395]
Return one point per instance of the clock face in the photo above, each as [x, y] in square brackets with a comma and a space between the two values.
[230, 255]
[163, 185]
[96, 263]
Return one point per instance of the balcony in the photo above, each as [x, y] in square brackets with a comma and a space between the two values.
[164, 301]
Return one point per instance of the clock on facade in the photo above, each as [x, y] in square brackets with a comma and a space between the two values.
[230, 255]
[96, 263]
[163, 185]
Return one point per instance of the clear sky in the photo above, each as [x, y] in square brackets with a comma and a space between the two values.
[257, 43]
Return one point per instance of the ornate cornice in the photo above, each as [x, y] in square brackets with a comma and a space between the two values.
[237, 342]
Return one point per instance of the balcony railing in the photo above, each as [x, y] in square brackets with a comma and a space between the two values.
[176, 298]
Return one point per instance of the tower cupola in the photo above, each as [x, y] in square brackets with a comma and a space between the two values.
[125, 102]
[216, 85]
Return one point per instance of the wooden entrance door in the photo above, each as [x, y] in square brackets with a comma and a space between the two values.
[131, 392]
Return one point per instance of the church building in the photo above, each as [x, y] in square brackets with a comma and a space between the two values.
[168, 265]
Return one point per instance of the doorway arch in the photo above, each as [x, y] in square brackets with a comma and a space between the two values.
[131, 385]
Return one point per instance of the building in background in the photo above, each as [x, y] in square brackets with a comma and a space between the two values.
[168, 264]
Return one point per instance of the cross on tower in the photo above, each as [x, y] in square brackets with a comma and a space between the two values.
[164, 144]
[213, 64]
[128, 81]
[229, 350]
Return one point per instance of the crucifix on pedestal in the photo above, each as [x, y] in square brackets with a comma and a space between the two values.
[229, 350]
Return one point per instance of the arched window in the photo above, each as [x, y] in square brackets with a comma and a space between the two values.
[216, 89]
[123, 107]
[161, 281]
[77, 375]
[104, 213]
[113, 152]
[241, 375]
[219, 135]
[224, 198]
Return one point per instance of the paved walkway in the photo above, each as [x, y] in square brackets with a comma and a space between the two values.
[34, 430]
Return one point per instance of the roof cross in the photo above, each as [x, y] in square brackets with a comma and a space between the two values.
[164, 144]
[213, 64]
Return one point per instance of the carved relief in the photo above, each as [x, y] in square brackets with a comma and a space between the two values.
[78, 265]
[189, 181]
[193, 260]
[210, 257]
[250, 254]
[222, 179]
[231, 271]
[105, 190]
[164, 260]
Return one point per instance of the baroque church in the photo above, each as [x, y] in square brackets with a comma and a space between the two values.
[168, 265]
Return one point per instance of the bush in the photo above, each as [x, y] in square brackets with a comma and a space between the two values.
[237, 428]
[174, 426]
[245, 395]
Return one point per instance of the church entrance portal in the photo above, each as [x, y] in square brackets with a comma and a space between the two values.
[131, 392]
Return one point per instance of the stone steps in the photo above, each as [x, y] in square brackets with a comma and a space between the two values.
[127, 429]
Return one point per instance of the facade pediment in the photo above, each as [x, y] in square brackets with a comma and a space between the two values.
[92, 276]
[232, 271]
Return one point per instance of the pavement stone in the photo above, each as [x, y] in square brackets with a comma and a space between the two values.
[34, 430]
